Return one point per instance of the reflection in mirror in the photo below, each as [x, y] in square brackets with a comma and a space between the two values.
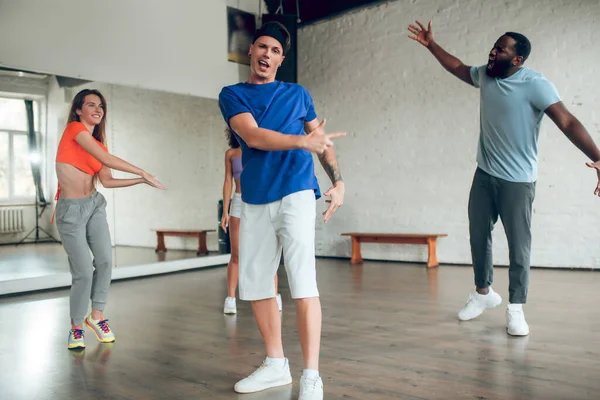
[25, 206]
[176, 139]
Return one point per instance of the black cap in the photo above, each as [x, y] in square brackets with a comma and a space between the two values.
[277, 31]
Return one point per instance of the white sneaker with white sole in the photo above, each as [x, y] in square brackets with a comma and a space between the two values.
[267, 376]
[230, 306]
[478, 303]
[515, 321]
[311, 389]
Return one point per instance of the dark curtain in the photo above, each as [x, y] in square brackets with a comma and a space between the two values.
[34, 148]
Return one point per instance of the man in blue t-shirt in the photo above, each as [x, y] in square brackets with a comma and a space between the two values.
[513, 101]
[278, 129]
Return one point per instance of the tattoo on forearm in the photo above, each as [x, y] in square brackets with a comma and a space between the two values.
[331, 168]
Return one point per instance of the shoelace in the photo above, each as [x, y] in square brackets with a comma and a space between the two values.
[263, 365]
[311, 383]
[77, 333]
[104, 326]
[515, 314]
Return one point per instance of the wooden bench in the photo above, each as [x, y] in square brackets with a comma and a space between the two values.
[200, 234]
[420, 238]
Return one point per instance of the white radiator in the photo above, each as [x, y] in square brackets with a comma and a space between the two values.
[11, 220]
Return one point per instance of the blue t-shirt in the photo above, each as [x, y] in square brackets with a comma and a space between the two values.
[269, 176]
[511, 112]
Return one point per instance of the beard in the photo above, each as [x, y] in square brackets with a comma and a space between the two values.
[500, 68]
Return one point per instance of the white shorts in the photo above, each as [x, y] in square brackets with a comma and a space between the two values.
[235, 207]
[267, 229]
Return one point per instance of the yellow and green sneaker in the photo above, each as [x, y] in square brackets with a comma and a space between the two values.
[101, 329]
[76, 340]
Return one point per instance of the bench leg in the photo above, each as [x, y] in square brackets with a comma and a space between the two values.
[202, 248]
[356, 256]
[432, 260]
[160, 245]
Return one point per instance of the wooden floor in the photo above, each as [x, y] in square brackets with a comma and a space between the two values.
[390, 332]
[33, 260]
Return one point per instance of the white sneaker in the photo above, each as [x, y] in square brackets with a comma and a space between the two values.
[311, 389]
[477, 303]
[230, 307]
[279, 304]
[515, 321]
[265, 377]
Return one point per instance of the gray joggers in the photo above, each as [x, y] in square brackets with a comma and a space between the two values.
[491, 197]
[82, 226]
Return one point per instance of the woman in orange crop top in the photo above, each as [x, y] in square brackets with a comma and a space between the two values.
[232, 213]
[82, 159]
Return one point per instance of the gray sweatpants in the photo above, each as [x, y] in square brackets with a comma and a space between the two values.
[491, 197]
[83, 227]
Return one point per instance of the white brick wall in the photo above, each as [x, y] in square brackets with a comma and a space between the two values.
[412, 128]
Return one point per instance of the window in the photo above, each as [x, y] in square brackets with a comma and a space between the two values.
[16, 179]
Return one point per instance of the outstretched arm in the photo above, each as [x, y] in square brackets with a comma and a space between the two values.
[449, 62]
[109, 182]
[89, 144]
[315, 141]
[577, 134]
[330, 165]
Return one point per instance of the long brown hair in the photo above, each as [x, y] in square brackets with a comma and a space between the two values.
[99, 130]
[233, 142]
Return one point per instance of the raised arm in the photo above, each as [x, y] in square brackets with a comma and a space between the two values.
[330, 165]
[452, 64]
[327, 158]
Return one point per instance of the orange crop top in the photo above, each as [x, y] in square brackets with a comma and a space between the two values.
[70, 152]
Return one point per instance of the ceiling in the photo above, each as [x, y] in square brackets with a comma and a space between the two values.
[15, 73]
[311, 11]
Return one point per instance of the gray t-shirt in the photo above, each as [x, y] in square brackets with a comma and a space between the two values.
[511, 112]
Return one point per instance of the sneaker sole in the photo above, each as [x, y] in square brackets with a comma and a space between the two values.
[99, 338]
[516, 334]
[486, 308]
[229, 312]
[75, 346]
[471, 318]
[282, 383]
[494, 306]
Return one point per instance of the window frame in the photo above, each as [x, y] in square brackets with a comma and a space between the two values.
[41, 103]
